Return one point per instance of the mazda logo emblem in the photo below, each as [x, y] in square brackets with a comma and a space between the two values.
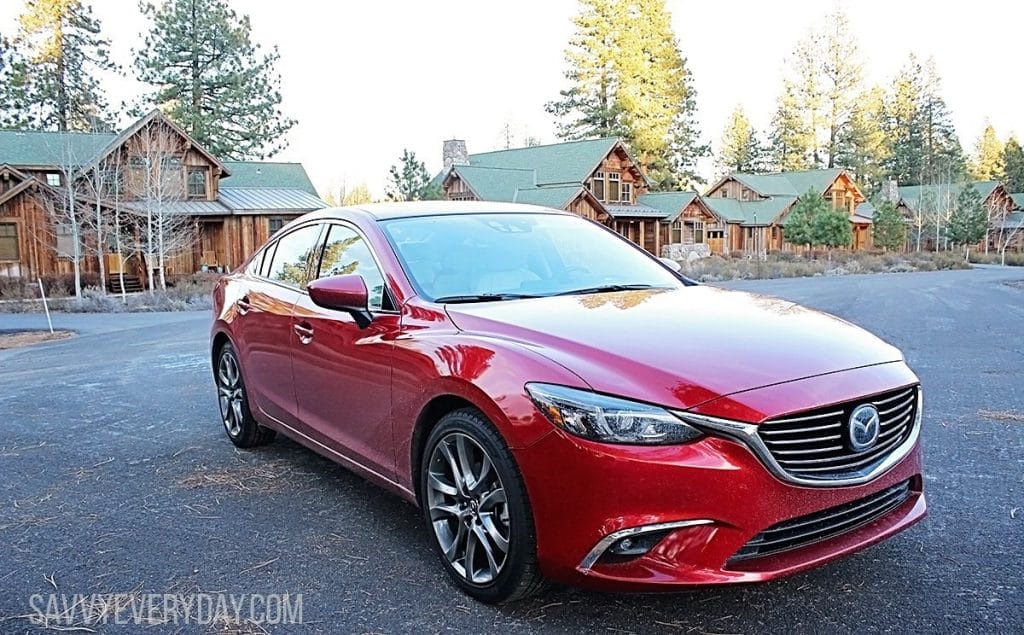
[864, 427]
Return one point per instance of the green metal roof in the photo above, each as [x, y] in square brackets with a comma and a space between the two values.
[267, 174]
[50, 149]
[568, 162]
[1018, 199]
[911, 195]
[495, 184]
[789, 183]
[671, 204]
[553, 196]
[744, 212]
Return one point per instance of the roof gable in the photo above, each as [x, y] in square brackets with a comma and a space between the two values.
[752, 213]
[494, 184]
[671, 204]
[558, 163]
[912, 195]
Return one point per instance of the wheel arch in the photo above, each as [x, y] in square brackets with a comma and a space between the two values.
[430, 415]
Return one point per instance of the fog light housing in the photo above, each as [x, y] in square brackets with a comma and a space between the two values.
[637, 545]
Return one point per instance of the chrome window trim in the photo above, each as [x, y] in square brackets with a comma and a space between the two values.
[602, 545]
[746, 433]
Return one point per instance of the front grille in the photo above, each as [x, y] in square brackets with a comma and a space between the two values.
[812, 528]
[814, 444]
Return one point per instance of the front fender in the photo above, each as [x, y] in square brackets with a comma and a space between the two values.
[490, 374]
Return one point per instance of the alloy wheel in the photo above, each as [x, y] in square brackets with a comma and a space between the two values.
[229, 391]
[468, 508]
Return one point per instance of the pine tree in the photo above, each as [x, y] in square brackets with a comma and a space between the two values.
[211, 79]
[628, 79]
[841, 80]
[863, 147]
[1013, 165]
[740, 150]
[831, 228]
[924, 148]
[409, 180]
[64, 56]
[888, 228]
[13, 78]
[988, 163]
[791, 138]
[968, 223]
[798, 226]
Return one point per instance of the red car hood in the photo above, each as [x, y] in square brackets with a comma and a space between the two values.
[678, 348]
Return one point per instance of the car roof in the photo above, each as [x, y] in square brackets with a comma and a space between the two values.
[388, 211]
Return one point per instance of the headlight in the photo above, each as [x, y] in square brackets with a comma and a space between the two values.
[609, 419]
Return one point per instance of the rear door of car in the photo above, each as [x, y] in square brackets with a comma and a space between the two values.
[343, 372]
[266, 322]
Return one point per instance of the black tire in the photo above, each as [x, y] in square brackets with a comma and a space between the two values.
[239, 424]
[487, 520]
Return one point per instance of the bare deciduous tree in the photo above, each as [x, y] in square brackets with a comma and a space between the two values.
[155, 182]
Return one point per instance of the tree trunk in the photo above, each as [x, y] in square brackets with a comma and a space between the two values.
[100, 251]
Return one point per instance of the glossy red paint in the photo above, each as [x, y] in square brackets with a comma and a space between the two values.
[360, 395]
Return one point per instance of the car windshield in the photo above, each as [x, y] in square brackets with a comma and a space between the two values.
[484, 257]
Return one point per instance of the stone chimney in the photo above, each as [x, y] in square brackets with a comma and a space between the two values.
[890, 191]
[454, 153]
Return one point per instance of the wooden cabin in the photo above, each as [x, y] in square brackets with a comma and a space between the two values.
[920, 204]
[755, 206]
[226, 208]
[596, 179]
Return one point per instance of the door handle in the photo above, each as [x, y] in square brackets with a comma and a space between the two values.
[243, 305]
[305, 332]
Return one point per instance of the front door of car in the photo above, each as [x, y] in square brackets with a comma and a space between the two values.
[343, 372]
[266, 326]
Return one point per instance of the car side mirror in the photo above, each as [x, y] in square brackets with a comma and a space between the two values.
[671, 264]
[343, 293]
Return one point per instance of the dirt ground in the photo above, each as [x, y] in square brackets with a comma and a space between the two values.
[28, 338]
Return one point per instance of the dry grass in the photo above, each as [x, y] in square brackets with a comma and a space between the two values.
[186, 293]
[794, 265]
[28, 338]
[1013, 259]
[1002, 415]
[276, 475]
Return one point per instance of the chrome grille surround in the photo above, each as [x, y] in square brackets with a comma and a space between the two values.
[779, 445]
[832, 522]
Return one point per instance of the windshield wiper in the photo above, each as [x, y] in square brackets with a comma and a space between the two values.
[607, 288]
[483, 297]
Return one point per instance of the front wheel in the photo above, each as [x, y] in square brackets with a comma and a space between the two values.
[475, 505]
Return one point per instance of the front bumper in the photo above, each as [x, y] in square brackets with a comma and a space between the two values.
[718, 487]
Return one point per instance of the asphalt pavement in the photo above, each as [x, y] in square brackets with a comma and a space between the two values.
[116, 477]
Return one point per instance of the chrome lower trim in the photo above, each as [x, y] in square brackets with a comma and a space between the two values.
[746, 433]
[595, 554]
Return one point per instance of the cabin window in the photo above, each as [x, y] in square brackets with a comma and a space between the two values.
[698, 231]
[275, 224]
[613, 186]
[197, 182]
[53, 179]
[677, 231]
[9, 241]
[627, 192]
[597, 186]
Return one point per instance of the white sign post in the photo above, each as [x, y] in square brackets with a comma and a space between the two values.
[46, 308]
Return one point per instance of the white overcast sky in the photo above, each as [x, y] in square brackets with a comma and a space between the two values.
[365, 79]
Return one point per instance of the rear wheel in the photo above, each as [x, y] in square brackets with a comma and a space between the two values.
[239, 424]
[475, 505]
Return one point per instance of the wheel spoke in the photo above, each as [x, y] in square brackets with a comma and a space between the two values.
[236, 409]
[434, 482]
[453, 465]
[452, 551]
[492, 500]
[492, 530]
[485, 543]
[485, 471]
[470, 560]
[444, 512]
[465, 462]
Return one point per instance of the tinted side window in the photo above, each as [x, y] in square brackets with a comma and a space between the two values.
[346, 252]
[293, 254]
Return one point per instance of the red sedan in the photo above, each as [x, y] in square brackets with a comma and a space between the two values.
[564, 406]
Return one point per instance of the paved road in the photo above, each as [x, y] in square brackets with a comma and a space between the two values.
[115, 477]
